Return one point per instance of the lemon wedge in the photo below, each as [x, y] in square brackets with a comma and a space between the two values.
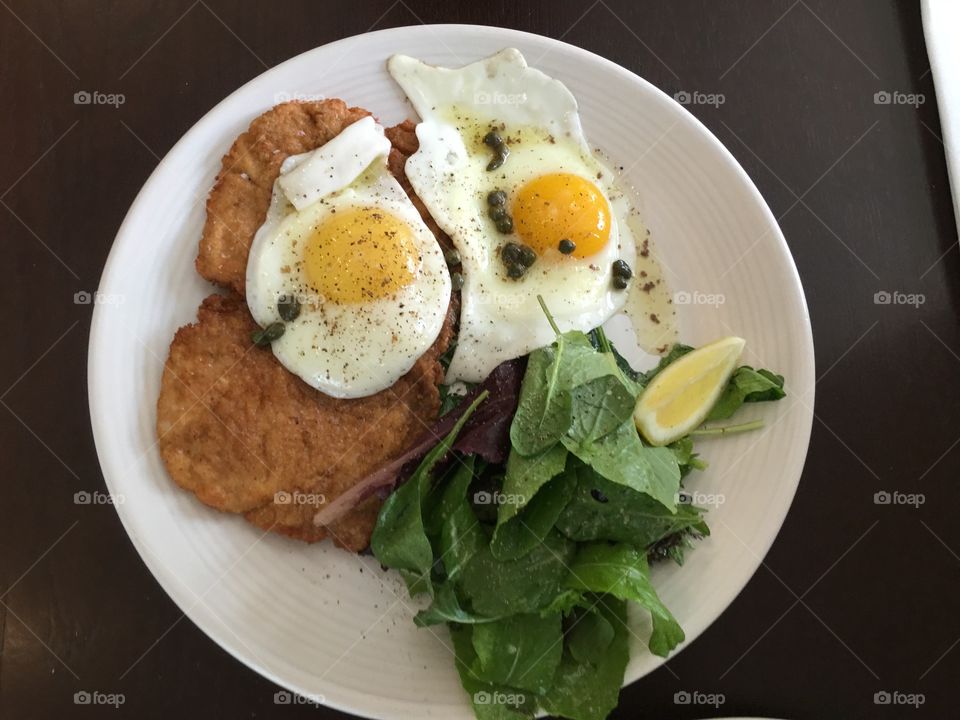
[679, 398]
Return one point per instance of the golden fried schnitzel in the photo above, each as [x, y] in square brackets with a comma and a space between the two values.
[247, 436]
[238, 203]
[235, 427]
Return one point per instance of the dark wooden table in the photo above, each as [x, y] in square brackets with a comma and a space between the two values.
[855, 598]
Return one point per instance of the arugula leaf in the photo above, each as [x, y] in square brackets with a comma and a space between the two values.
[516, 537]
[490, 701]
[520, 651]
[747, 385]
[497, 587]
[600, 406]
[526, 475]
[687, 459]
[590, 691]
[399, 539]
[544, 412]
[623, 458]
[589, 636]
[621, 570]
[604, 510]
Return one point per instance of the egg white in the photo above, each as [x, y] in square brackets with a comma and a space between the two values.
[353, 349]
[500, 317]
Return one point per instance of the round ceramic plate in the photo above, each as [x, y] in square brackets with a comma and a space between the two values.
[330, 625]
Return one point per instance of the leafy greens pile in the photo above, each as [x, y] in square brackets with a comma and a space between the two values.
[531, 562]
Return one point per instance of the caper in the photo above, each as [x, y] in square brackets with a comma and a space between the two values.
[497, 197]
[492, 139]
[452, 256]
[621, 269]
[527, 256]
[516, 270]
[510, 254]
[456, 281]
[502, 153]
[620, 283]
[598, 496]
[497, 212]
[288, 307]
[505, 225]
[263, 338]
[566, 246]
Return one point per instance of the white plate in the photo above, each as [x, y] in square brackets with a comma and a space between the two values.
[306, 616]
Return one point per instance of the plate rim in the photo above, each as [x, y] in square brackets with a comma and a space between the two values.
[96, 391]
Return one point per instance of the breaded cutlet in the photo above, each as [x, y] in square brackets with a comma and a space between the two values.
[235, 427]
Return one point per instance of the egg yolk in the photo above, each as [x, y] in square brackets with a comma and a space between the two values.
[360, 254]
[562, 206]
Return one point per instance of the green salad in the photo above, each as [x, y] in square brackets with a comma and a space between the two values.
[532, 522]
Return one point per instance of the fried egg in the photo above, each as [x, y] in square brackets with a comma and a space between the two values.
[560, 201]
[344, 245]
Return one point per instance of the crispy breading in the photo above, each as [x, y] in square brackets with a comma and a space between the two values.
[237, 204]
[247, 436]
[235, 427]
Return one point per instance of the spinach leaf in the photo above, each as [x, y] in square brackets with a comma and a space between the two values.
[516, 537]
[490, 701]
[526, 475]
[581, 361]
[623, 458]
[564, 603]
[604, 510]
[747, 385]
[544, 411]
[600, 406]
[589, 691]
[551, 398]
[520, 651]
[460, 535]
[497, 588]
[399, 539]
[599, 340]
[621, 570]
[446, 607]
[589, 636]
